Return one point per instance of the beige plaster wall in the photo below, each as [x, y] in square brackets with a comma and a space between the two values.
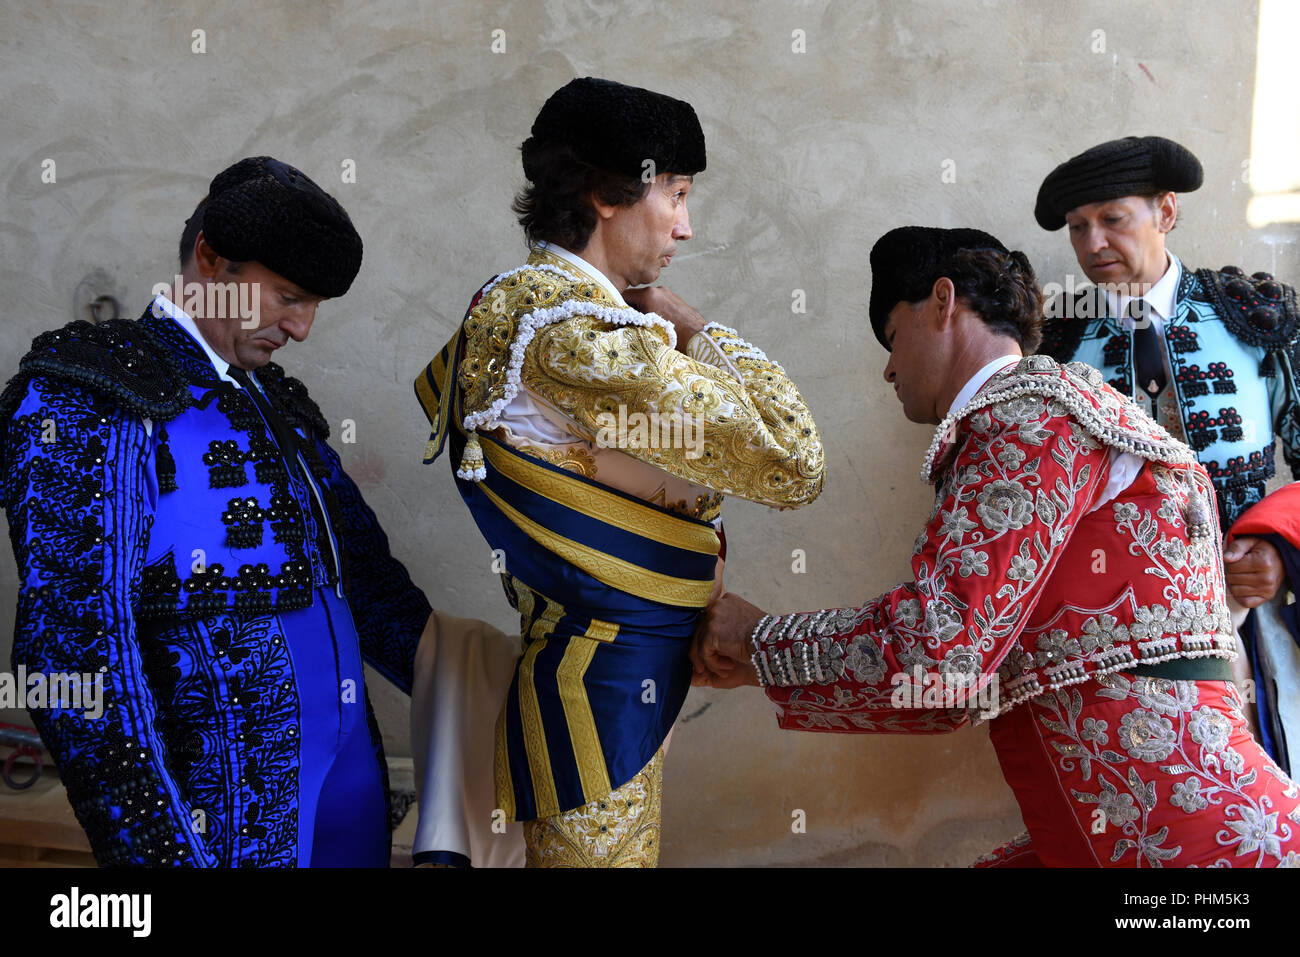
[812, 155]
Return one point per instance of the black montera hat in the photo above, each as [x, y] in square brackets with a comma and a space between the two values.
[907, 261]
[617, 128]
[262, 210]
[1133, 166]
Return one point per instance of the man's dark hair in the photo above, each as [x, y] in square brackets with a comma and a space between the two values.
[193, 226]
[556, 206]
[1002, 289]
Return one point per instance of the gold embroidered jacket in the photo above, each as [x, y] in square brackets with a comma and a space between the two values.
[723, 417]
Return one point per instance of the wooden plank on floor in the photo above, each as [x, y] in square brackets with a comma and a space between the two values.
[40, 817]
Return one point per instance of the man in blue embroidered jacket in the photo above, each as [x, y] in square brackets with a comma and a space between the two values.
[1211, 354]
[183, 529]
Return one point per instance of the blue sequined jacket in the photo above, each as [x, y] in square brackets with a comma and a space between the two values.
[1233, 344]
[151, 516]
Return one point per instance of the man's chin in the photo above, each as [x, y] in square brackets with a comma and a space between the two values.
[918, 418]
[1113, 276]
[257, 356]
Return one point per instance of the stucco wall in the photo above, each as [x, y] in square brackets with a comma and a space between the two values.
[941, 113]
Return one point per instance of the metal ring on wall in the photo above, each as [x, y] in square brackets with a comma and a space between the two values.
[21, 784]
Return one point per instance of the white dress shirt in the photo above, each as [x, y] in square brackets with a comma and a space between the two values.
[1159, 301]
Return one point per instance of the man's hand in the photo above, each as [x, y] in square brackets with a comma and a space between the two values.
[721, 650]
[1254, 571]
[665, 302]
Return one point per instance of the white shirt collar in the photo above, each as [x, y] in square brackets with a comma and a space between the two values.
[162, 306]
[586, 267]
[976, 382]
[1160, 297]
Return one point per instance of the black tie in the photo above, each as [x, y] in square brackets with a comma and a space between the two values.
[285, 437]
[1148, 350]
[288, 440]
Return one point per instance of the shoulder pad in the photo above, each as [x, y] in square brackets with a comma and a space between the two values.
[509, 308]
[1257, 309]
[1074, 389]
[290, 398]
[119, 359]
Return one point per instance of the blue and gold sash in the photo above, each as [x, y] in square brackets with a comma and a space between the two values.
[434, 385]
[609, 589]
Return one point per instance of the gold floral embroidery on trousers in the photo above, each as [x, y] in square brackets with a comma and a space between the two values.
[620, 829]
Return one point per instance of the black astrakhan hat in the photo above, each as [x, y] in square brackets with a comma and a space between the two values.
[617, 128]
[262, 210]
[907, 261]
[1133, 166]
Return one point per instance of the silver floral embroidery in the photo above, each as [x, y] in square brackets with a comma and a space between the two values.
[961, 667]
[1080, 438]
[1210, 729]
[1004, 505]
[1187, 795]
[1022, 568]
[909, 612]
[1146, 736]
[1125, 511]
[839, 621]
[1105, 630]
[1149, 622]
[1166, 714]
[1119, 808]
[973, 563]
[864, 661]
[1254, 829]
[1019, 410]
[1094, 729]
[1055, 647]
[956, 523]
[942, 622]
[1174, 551]
[1011, 456]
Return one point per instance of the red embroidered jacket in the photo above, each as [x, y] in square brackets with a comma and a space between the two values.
[1021, 585]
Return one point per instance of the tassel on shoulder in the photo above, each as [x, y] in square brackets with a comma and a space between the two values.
[473, 468]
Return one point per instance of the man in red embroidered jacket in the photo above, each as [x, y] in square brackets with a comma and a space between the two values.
[1068, 587]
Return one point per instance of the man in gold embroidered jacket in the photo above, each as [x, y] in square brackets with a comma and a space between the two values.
[596, 428]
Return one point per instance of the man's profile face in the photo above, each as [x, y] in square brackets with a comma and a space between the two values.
[913, 367]
[642, 238]
[284, 310]
[1122, 240]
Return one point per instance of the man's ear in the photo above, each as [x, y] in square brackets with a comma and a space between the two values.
[945, 297]
[1166, 212]
[205, 258]
[603, 210]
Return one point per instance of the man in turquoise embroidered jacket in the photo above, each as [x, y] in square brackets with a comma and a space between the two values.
[1212, 355]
